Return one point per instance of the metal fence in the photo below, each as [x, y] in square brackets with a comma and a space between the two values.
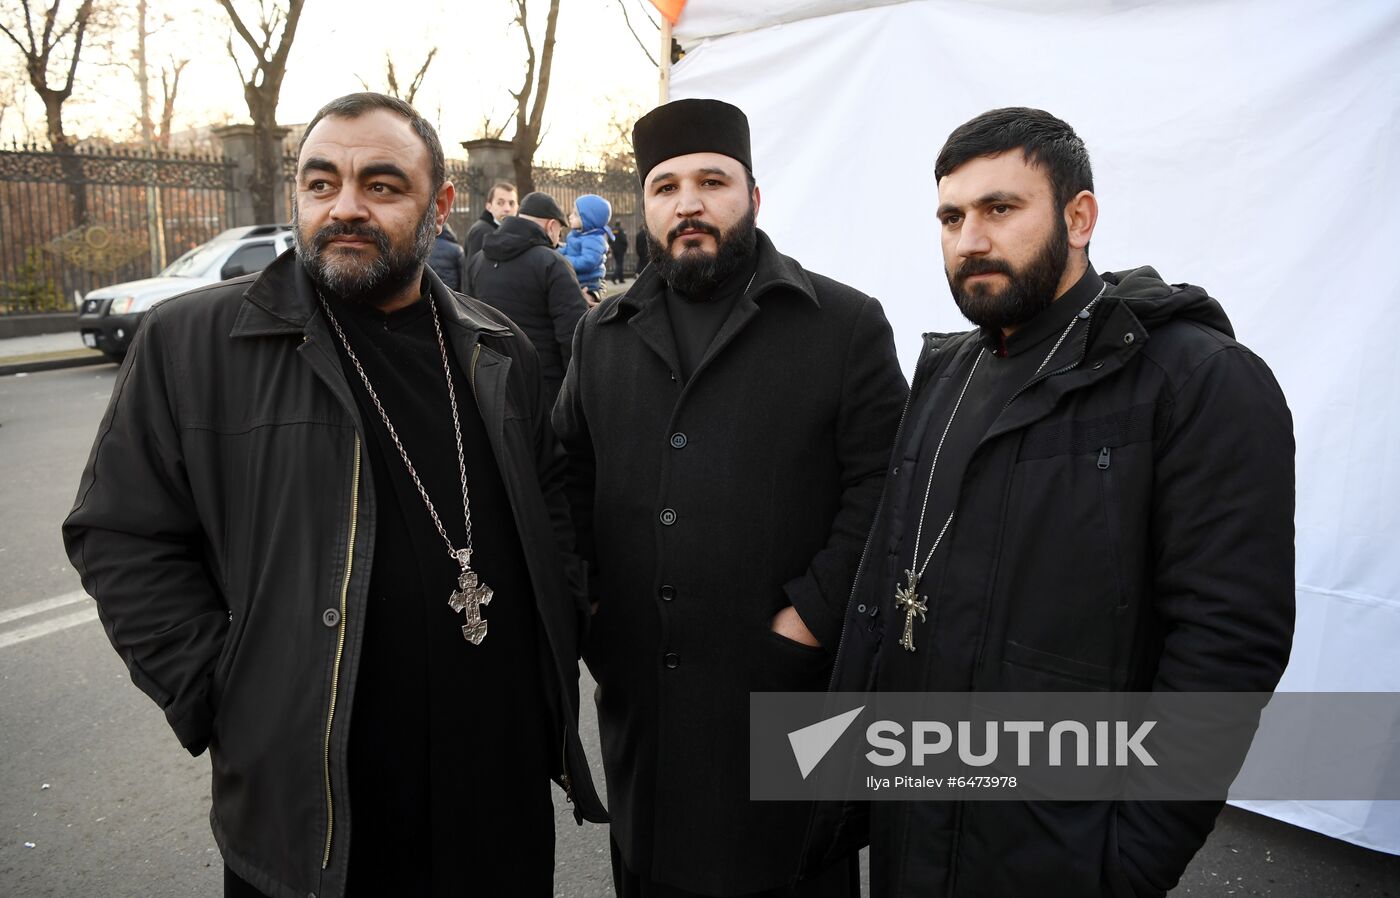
[72, 222]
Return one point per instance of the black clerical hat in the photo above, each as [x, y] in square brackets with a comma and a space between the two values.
[682, 127]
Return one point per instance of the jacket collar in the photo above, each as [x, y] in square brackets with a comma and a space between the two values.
[282, 300]
[776, 273]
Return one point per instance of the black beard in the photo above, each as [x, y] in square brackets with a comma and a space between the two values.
[373, 284]
[1028, 292]
[696, 274]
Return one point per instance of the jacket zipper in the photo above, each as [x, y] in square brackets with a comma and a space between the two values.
[564, 779]
[879, 507]
[340, 650]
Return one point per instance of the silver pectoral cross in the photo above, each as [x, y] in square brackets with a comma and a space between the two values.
[470, 596]
[908, 599]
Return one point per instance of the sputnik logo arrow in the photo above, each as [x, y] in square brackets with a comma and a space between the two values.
[811, 743]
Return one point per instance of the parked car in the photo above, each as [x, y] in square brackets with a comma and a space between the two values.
[108, 316]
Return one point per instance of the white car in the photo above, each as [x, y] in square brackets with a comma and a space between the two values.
[108, 316]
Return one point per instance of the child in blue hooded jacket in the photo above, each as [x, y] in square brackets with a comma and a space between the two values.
[586, 247]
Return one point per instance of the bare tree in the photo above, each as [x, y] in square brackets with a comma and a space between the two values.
[53, 45]
[262, 88]
[155, 133]
[391, 77]
[530, 99]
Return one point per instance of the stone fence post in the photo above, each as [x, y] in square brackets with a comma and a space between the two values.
[492, 158]
[240, 148]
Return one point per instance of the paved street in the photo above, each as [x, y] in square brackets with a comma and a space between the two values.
[92, 778]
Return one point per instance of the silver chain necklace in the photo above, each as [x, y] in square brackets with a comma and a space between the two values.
[908, 597]
[471, 594]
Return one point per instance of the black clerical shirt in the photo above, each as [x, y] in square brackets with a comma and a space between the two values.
[1003, 366]
[696, 321]
[450, 743]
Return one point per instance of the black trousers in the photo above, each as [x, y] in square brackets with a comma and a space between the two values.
[840, 880]
[618, 262]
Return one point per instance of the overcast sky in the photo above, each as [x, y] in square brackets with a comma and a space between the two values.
[599, 69]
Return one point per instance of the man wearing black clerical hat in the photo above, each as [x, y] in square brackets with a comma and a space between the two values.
[727, 422]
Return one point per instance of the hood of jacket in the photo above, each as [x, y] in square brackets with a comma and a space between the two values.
[1155, 302]
[513, 237]
[448, 233]
[593, 211]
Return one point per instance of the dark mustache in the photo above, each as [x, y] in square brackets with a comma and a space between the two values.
[692, 224]
[974, 267]
[348, 229]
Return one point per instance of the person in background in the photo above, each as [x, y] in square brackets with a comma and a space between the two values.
[519, 273]
[500, 205]
[618, 248]
[448, 258]
[586, 247]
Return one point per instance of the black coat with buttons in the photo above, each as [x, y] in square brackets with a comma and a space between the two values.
[705, 508]
[225, 524]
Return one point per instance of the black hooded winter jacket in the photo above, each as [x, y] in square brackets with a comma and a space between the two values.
[519, 272]
[1126, 524]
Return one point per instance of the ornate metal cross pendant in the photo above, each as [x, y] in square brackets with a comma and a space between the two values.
[908, 599]
[470, 596]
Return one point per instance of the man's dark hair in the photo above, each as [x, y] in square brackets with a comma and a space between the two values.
[500, 185]
[356, 105]
[1047, 143]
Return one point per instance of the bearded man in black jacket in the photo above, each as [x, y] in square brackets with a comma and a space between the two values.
[1092, 490]
[308, 488]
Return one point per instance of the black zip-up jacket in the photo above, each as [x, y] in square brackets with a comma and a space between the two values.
[519, 272]
[1126, 524]
[484, 226]
[225, 525]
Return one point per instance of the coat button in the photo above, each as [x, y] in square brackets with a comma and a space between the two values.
[668, 593]
[330, 617]
[671, 660]
[1129, 337]
[668, 516]
[678, 441]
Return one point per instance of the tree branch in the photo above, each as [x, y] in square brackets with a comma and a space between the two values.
[84, 12]
[242, 30]
[622, 4]
[418, 78]
[546, 63]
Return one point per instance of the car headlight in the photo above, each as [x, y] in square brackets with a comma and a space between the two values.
[121, 305]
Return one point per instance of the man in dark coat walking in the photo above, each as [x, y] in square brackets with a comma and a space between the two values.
[307, 604]
[519, 272]
[501, 203]
[727, 423]
[618, 249]
[1093, 490]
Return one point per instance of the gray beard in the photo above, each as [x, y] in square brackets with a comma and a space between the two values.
[377, 282]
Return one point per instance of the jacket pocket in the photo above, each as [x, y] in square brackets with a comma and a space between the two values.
[1051, 672]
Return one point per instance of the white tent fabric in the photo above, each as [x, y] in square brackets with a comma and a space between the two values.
[1248, 146]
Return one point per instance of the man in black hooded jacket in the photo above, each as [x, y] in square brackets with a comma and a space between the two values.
[519, 273]
[1093, 490]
